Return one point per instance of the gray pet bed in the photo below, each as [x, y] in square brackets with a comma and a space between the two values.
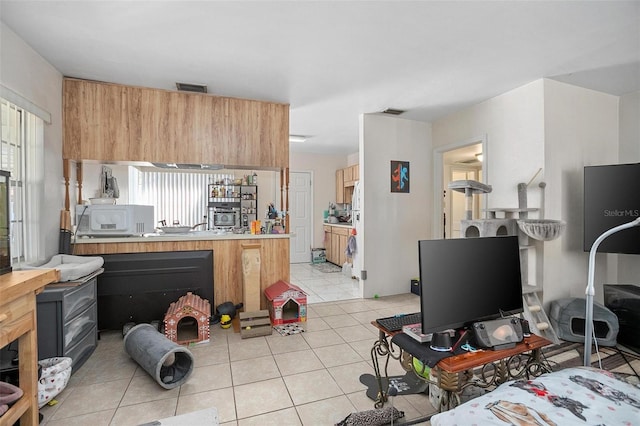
[72, 267]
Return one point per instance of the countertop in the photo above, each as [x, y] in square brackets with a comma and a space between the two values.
[191, 236]
[340, 224]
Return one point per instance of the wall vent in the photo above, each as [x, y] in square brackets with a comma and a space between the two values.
[393, 111]
[187, 87]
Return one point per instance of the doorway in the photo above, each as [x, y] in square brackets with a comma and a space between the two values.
[300, 216]
[461, 161]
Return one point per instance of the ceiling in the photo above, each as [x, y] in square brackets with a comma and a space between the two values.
[334, 60]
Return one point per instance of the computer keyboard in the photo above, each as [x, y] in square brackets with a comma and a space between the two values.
[396, 322]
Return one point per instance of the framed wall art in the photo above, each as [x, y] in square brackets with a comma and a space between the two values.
[400, 176]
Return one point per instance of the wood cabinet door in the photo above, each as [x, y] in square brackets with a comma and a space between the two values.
[347, 177]
[342, 247]
[340, 186]
[355, 172]
[111, 122]
[327, 244]
[96, 121]
[335, 249]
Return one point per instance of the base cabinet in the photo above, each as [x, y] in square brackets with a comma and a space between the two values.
[335, 243]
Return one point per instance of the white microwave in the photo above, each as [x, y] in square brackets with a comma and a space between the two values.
[114, 220]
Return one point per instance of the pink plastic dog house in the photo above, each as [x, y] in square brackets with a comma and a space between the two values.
[287, 303]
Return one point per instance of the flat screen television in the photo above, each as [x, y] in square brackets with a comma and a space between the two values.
[140, 287]
[468, 279]
[611, 198]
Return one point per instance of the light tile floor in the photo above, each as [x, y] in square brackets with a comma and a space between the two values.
[310, 378]
[322, 286]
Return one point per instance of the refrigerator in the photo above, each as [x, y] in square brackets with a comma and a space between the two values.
[356, 223]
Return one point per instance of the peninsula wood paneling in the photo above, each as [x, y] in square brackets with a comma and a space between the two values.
[227, 259]
[110, 122]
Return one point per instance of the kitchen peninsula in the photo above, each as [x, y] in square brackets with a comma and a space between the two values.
[112, 123]
[227, 259]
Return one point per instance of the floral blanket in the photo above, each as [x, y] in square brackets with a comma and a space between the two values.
[573, 396]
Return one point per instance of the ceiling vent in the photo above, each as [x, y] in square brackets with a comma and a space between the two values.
[392, 111]
[187, 87]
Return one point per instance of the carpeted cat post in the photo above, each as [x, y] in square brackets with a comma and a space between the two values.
[167, 362]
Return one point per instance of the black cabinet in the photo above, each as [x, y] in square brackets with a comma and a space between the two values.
[68, 320]
[624, 301]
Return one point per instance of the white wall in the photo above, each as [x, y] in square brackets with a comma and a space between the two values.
[554, 126]
[324, 184]
[393, 222]
[581, 129]
[28, 74]
[629, 265]
[514, 127]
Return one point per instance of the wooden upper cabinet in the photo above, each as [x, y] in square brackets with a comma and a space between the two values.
[340, 186]
[110, 122]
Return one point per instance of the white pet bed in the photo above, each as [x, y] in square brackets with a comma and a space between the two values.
[72, 267]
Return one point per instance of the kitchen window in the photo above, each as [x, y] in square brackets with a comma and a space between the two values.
[21, 154]
[176, 196]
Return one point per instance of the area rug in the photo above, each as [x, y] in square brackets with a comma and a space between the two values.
[405, 385]
[326, 267]
[289, 329]
[568, 354]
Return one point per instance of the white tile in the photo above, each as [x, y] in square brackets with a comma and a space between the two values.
[311, 386]
[282, 344]
[342, 354]
[326, 412]
[317, 339]
[147, 412]
[254, 370]
[348, 376]
[261, 397]
[146, 389]
[298, 362]
[221, 399]
[357, 332]
[208, 377]
[91, 398]
[288, 417]
[248, 348]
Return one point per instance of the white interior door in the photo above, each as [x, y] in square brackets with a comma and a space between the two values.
[300, 216]
[457, 204]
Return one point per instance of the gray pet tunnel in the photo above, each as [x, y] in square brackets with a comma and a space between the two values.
[167, 362]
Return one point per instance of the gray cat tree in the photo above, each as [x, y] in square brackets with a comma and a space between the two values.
[531, 233]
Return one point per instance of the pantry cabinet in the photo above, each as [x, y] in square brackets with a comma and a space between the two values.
[111, 122]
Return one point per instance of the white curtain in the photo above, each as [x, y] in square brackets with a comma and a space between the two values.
[22, 154]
